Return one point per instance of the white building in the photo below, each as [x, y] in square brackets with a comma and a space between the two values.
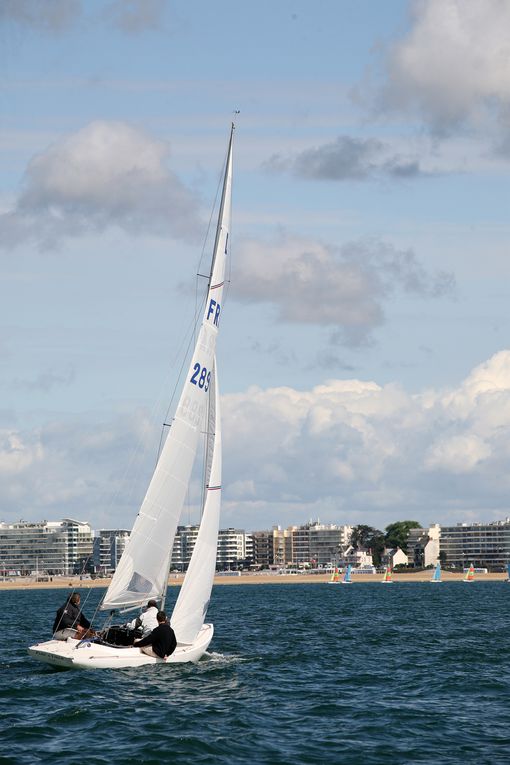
[395, 557]
[184, 544]
[317, 544]
[358, 559]
[235, 546]
[487, 545]
[423, 546]
[109, 544]
[45, 547]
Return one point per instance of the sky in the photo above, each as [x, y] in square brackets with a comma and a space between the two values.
[364, 357]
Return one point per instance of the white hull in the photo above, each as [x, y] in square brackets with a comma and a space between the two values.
[73, 654]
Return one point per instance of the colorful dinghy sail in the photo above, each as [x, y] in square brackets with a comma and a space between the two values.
[470, 574]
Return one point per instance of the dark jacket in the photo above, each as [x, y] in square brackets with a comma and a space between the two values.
[162, 640]
[69, 615]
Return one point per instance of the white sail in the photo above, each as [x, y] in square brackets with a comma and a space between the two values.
[142, 572]
[191, 607]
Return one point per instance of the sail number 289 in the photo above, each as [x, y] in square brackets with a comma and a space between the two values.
[201, 377]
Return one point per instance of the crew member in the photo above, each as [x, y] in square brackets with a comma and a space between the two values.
[161, 642]
[147, 620]
[70, 622]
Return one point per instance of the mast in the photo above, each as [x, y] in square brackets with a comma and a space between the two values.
[224, 194]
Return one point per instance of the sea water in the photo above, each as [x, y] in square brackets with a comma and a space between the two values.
[297, 673]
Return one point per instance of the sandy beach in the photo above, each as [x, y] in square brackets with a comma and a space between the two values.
[74, 582]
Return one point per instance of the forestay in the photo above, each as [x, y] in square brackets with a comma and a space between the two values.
[142, 572]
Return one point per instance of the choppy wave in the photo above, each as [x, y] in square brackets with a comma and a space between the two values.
[296, 673]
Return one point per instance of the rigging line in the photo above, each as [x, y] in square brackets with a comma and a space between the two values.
[213, 208]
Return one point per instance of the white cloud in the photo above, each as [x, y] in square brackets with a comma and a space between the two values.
[343, 288]
[106, 174]
[91, 471]
[458, 454]
[16, 455]
[365, 451]
[452, 64]
[347, 451]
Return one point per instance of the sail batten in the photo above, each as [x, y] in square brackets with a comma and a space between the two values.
[145, 562]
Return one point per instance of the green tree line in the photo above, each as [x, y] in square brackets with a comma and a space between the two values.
[395, 535]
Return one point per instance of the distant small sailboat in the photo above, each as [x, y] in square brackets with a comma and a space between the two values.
[387, 578]
[436, 576]
[335, 577]
[470, 574]
[507, 573]
[347, 576]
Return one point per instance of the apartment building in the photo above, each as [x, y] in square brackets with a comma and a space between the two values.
[109, 544]
[235, 547]
[45, 547]
[272, 547]
[487, 545]
[317, 544]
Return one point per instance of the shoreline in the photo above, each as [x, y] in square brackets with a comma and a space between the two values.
[175, 580]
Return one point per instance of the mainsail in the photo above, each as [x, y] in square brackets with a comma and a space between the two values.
[191, 607]
[142, 572]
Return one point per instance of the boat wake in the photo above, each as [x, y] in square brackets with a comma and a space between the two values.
[221, 658]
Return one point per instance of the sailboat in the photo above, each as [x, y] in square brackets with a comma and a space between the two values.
[347, 575]
[507, 573]
[142, 572]
[436, 576]
[387, 577]
[470, 574]
[335, 577]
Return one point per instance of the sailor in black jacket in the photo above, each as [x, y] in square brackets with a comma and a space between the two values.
[161, 642]
[69, 621]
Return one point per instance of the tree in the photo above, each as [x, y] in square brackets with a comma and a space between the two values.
[397, 533]
[376, 544]
[368, 538]
[361, 535]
